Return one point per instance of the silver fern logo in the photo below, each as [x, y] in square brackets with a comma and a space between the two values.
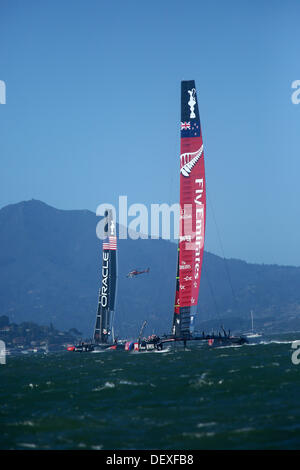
[189, 160]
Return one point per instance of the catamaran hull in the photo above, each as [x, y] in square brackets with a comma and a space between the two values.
[81, 348]
[96, 347]
[211, 341]
[227, 342]
[144, 346]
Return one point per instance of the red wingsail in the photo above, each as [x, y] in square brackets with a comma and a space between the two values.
[192, 212]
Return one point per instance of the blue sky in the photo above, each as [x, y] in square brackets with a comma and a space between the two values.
[93, 107]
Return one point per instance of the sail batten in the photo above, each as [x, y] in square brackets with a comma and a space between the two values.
[192, 213]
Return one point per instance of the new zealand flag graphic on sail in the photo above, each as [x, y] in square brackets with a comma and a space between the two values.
[190, 129]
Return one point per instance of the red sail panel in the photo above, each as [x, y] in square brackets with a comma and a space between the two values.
[192, 198]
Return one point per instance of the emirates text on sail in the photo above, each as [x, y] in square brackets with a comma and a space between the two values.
[199, 225]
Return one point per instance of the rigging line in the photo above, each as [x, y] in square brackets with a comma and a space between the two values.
[204, 268]
[174, 165]
[222, 249]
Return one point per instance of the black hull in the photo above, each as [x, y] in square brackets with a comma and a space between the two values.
[150, 346]
[160, 344]
[85, 348]
[96, 347]
[211, 340]
[239, 341]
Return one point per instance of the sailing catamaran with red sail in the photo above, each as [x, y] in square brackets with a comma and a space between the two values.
[192, 214]
[191, 230]
[192, 223]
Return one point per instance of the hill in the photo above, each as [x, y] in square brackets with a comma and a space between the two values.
[50, 262]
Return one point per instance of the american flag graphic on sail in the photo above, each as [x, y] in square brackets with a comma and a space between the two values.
[111, 244]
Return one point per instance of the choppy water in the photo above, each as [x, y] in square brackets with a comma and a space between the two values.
[243, 397]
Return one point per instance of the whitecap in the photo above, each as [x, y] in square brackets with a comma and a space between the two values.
[32, 385]
[105, 386]
[243, 430]
[128, 382]
[27, 423]
[204, 425]
[21, 423]
[27, 444]
[198, 435]
[277, 342]
[201, 381]
[164, 351]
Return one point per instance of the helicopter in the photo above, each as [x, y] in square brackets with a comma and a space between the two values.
[135, 272]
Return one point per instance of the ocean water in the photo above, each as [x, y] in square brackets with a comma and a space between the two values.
[244, 397]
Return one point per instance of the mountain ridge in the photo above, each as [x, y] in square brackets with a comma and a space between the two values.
[50, 262]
